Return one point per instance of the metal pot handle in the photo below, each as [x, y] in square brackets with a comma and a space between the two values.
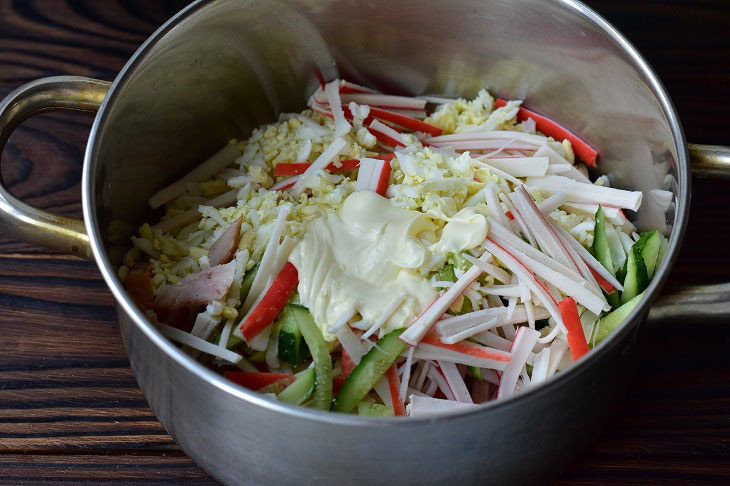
[27, 223]
[709, 303]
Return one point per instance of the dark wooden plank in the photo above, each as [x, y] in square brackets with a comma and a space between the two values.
[122, 470]
[70, 410]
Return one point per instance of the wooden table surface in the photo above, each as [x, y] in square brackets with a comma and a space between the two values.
[70, 409]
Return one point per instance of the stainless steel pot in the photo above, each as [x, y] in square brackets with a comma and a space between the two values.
[219, 68]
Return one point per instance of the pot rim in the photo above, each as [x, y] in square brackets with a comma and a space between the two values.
[215, 379]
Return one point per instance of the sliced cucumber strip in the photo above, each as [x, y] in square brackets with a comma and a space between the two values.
[369, 371]
[320, 355]
[477, 372]
[610, 322]
[247, 282]
[301, 389]
[602, 252]
[374, 409]
[649, 245]
[446, 274]
[292, 347]
[637, 278]
[233, 341]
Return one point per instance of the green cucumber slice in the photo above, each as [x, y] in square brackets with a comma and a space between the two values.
[302, 388]
[621, 274]
[602, 252]
[611, 321]
[233, 341]
[292, 347]
[374, 409]
[247, 282]
[446, 274]
[369, 371]
[637, 278]
[320, 355]
[477, 372]
[649, 245]
[662, 250]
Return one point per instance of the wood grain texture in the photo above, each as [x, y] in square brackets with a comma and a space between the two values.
[70, 409]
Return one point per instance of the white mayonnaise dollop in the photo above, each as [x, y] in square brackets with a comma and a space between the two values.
[370, 253]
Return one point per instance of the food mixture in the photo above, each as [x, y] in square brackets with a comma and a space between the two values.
[389, 255]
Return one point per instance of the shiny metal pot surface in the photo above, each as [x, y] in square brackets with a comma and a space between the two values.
[219, 68]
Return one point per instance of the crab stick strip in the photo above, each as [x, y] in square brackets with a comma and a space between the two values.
[298, 168]
[587, 296]
[217, 162]
[521, 166]
[535, 140]
[466, 321]
[550, 240]
[347, 87]
[504, 144]
[284, 169]
[199, 344]
[381, 178]
[365, 174]
[374, 175]
[285, 184]
[407, 122]
[328, 155]
[225, 199]
[552, 129]
[321, 109]
[525, 340]
[386, 135]
[466, 348]
[540, 366]
[423, 323]
[587, 193]
[594, 265]
[543, 232]
[495, 207]
[420, 406]
[559, 169]
[406, 378]
[384, 101]
[552, 203]
[518, 268]
[576, 336]
[456, 383]
[267, 259]
[469, 331]
[270, 304]
[603, 283]
[429, 352]
[394, 385]
[332, 92]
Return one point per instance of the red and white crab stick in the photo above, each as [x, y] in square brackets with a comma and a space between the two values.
[418, 329]
[298, 168]
[552, 129]
[270, 303]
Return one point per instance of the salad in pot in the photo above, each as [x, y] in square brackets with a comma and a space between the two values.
[389, 255]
